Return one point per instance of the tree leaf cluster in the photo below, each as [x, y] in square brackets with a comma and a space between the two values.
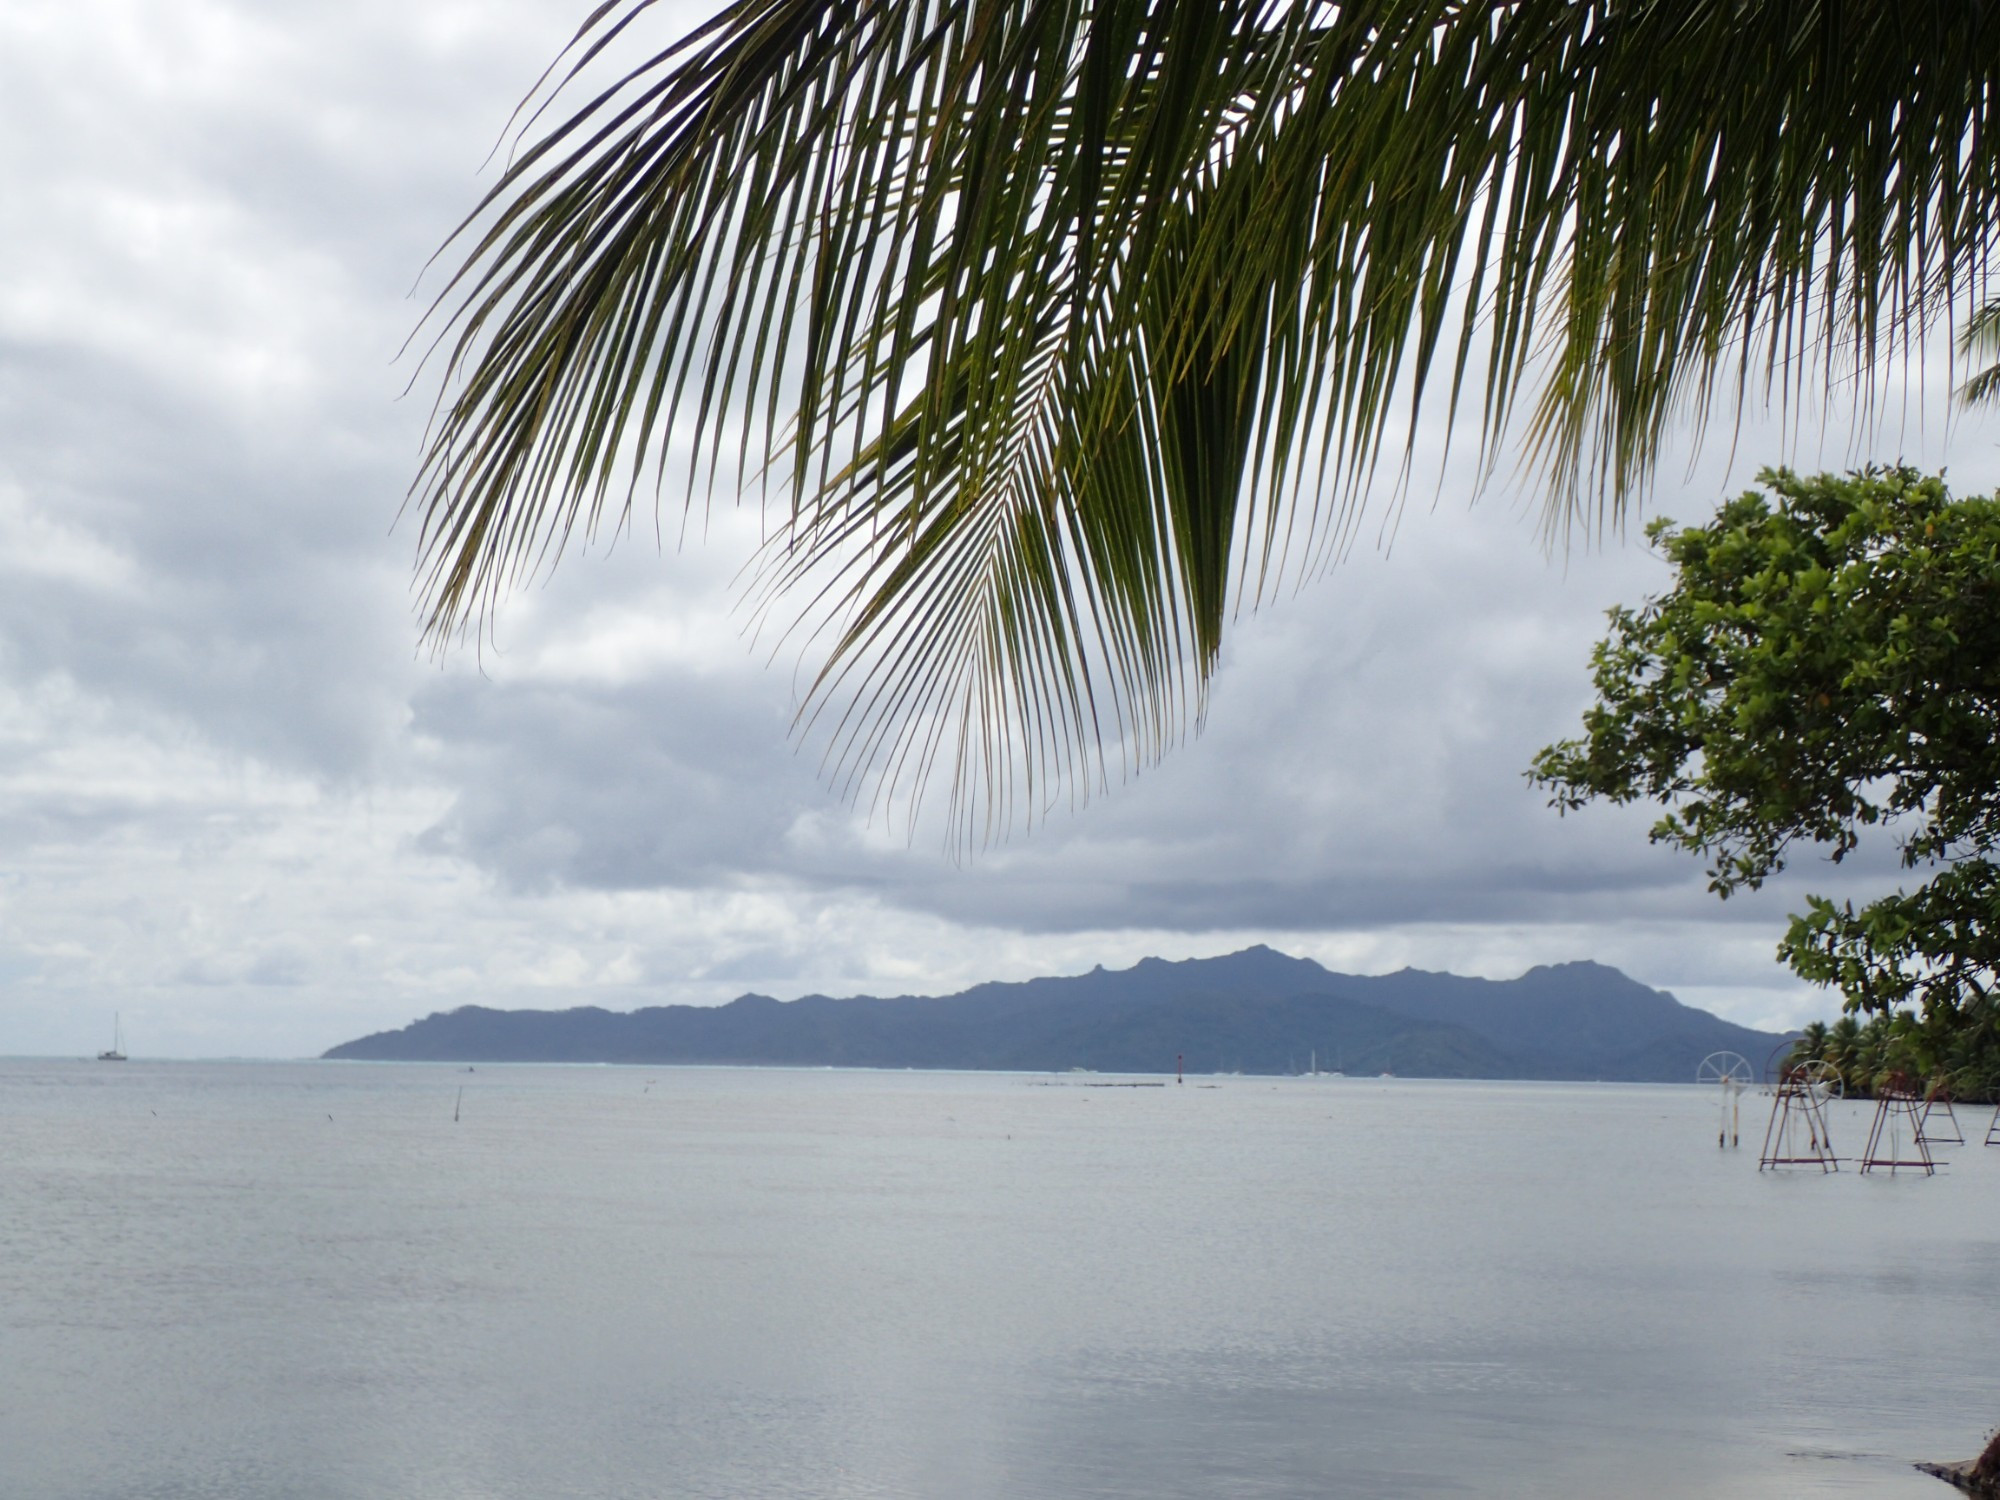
[1827, 661]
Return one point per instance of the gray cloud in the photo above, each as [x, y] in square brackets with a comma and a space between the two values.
[681, 781]
[218, 588]
[1377, 783]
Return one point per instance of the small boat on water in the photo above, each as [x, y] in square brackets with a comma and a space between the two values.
[117, 1052]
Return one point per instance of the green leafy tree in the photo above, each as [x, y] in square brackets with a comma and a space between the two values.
[1827, 662]
[1054, 330]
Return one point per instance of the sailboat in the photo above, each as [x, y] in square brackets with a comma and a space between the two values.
[116, 1054]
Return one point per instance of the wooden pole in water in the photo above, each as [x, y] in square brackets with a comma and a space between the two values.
[456, 1102]
[1180, 1058]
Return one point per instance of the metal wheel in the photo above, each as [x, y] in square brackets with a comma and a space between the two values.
[1724, 1068]
[1776, 1065]
[1821, 1078]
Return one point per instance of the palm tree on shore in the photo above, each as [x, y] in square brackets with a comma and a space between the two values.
[1811, 1045]
[1051, 332]
[1843, 1050]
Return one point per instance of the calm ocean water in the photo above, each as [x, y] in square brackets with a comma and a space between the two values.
[305, 1281]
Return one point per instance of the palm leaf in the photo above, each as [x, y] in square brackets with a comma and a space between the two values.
[1980, 338]
[1050, 327]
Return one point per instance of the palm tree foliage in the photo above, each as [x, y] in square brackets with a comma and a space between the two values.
[1960, 1058]
[1981, 340]
[1052, 329]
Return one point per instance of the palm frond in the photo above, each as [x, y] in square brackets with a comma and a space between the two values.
[1980, 339]
[1052, 326]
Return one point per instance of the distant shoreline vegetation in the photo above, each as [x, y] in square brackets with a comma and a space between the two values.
[1964, 1063]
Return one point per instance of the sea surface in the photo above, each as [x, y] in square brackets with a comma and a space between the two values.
[308, 1281]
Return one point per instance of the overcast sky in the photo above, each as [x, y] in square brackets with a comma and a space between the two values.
[239, 805]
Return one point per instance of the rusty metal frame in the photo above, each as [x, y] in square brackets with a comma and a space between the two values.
[1796, 1104]
[1895, 1100]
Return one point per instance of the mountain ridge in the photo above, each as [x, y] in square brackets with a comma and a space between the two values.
[1254, 1011]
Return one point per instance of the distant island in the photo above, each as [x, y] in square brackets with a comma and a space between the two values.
[1258, 1011]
